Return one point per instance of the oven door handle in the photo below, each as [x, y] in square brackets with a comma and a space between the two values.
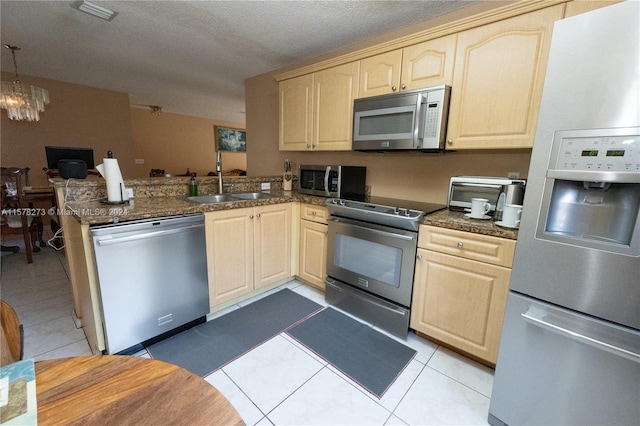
[376, 231]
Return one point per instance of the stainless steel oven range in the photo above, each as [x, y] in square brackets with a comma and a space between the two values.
[371, 258]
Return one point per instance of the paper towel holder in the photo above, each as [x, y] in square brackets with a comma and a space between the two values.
[123, 195]
[118, 202]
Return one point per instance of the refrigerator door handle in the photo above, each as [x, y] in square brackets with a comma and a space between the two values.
[543, 319]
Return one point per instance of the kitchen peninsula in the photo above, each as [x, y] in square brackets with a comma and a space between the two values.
[159, 197]
[81, 208]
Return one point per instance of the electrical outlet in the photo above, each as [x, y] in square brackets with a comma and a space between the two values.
[513, 175]
[139, 160]
[265, 186]
[129, 192]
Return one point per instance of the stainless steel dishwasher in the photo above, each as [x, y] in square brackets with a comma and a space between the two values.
[152, 277]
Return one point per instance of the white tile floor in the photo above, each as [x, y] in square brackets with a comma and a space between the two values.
[279, 382]
[41, 295]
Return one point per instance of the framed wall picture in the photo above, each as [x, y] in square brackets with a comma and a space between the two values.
[229, 139]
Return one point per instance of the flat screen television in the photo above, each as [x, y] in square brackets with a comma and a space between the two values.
[57, 153]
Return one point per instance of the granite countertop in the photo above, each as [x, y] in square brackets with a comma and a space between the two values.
[456, 220]
[94, 212]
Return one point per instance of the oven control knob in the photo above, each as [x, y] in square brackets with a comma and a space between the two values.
[396, 211]
[407, 212]
[341, 202]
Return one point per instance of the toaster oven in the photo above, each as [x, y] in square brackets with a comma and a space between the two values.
[463, 188]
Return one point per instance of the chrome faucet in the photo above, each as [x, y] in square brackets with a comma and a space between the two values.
[219, 170]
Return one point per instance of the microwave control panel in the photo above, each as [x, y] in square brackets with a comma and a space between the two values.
[615, 153]
[333, 181]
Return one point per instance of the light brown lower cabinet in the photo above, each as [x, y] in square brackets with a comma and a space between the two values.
[247, 249]
[313, 245]
[460, 289]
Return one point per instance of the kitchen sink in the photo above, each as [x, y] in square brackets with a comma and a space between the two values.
[223, 198]
[212, 198]
[253, 195]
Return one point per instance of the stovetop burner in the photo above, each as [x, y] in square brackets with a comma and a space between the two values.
[403, 214]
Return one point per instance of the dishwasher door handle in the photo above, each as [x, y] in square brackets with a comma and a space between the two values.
[146, 235]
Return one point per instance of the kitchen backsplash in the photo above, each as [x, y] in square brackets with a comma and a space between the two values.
[91, 189]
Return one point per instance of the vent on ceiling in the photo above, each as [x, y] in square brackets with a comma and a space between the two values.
[94, 9]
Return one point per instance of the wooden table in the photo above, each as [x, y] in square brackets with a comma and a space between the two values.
[39, 193]
[120, 390]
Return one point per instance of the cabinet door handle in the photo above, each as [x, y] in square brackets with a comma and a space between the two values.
[258, 215]
[402, 86]
[419, 257]
[394, 88]
[460, 245]
[250, 216]
[449, 142]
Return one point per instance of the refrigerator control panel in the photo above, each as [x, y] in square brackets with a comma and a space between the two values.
[619, 153]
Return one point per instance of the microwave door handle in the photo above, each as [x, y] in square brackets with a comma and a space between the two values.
[421, 117]
[326, 180]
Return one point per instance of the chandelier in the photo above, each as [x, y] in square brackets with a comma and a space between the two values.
[22, 102]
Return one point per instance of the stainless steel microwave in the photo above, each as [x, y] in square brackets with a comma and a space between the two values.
[332, 181]
[411, 120]
[463, 188]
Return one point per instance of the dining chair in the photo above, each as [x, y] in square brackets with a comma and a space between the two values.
[11, 335]
[15, 209]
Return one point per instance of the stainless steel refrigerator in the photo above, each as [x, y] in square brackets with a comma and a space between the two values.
[570, 347]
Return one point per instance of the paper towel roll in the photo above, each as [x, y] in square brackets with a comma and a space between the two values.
[110, 170]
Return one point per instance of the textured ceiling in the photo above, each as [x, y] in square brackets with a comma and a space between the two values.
[192, 57]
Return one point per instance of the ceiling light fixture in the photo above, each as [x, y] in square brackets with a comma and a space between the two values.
[155, 109]
[22, 102]
[94, 9]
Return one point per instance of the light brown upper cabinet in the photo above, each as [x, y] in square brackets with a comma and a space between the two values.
[296, 96]
[380, 74]
[414, 67]
[582, 6]
[316, 110]
[497, 81]
[334, 90]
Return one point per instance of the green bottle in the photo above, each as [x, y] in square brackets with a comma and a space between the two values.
[193, 186]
